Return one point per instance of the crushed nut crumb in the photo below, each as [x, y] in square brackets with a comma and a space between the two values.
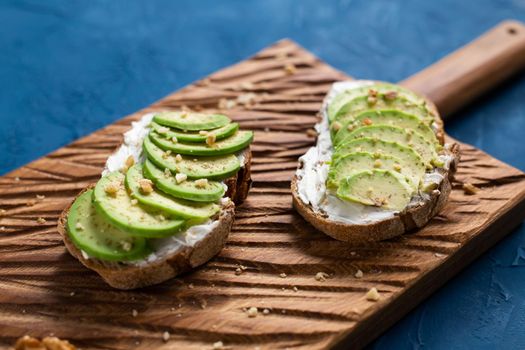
[163, 130]
[203, 132]
[146, 186]
[112, 188]
[359, 274]
[210, 139]
[201, 183]
[321, 276]
[372, 100]
[126, 246]
[252, 312]
[190, 286]
[79, 226]
[290, 69]
[41, 220]
[134, 201]
[180, 177]
[469, 188]
[238, 271]
[130, 161]
[377, 163]
[72, 294]
[178, 158]
[295, 289]
[336, 126]
[218, 345]
[373, 294]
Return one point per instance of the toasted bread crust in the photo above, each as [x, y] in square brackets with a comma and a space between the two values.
[123, 276]
[412, 217]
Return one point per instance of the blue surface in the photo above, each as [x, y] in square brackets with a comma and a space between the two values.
[70, 67]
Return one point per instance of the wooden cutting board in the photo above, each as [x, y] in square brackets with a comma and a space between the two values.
[44, 291]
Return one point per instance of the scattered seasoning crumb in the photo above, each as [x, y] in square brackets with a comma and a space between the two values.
[134, 313]
[289, 68]
[266, 312]
[190, 286]
[166, 336]
[470, 189]
[321, 276]
[282, 275]
[218, 345]
[41, 220]
[373, 294]
[359, 274]
[311, 133]
[201, 183]
[40, 197]
[180, 177]
[252, 312]
[178, 158]
[146, 186]
[295, 289]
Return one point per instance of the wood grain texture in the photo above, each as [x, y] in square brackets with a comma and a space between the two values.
[43, 290]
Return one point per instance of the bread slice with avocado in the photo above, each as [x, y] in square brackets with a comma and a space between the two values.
[156, 213]
[380, 167]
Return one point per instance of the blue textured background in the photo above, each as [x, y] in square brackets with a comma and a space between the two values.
[70, 67]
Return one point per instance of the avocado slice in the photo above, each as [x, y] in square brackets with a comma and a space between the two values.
[92, 234]
[214, 168]
[167, 183]
[361, 104]
[412, 166]
[405, 137]
[156, 199]
[381, 88]
[386, 117]
[380, 188]
[232, 144]
[194, 136]
[116, 206]
[359, 161]
[191, 121]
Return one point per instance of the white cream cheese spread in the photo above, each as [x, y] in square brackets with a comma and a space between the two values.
[313, 173]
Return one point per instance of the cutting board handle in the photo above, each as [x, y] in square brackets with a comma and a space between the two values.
[472, 70]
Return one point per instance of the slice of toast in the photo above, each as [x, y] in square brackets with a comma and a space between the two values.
[414, 216]
[145, 273]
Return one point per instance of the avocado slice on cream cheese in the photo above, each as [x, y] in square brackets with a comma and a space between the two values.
[191, 121]
[195, 136]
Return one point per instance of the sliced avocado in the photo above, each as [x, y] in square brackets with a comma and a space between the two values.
[194, 136]
[380, 188]
[381, 88]
[236, 142]
[156, 199]
[405, 137]
[361, 104]
[167, 183]
[412, 166]
[92, 234]
[191, 121]
[385, 117]
[117, 207]
[359, 161]
[214, 168]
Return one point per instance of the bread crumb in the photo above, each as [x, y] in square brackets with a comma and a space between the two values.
[134, 313]
[321, 276]
[359, 274]
[266, 312]
[282, 275]
[165, 336]
[180, 177]
[469, 188]
[112, 188]
[146, 186]
[41, 220]
[252, 312]
[178, 158]
[290, 68]
[373, 294]
[218, 345]
[201, 183]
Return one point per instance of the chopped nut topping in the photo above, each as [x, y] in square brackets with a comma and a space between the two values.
[391, 95]
[218, 345]
[41, 220]
[367, 121]
[174, 139]
[321, 276]
[134, 313]
[282, 275]
[210, 139]
[167, 172]
[336, 126]
[377, 163]
[48, 343]
[31, 202]
[203, 133]
[373, 294]
[252, 312]
[134, 201]
[397, 167]
[146, 186]
[201, 183]
[166, 154]
[130, 161]
[358, 274]
[112, 188]
[79, 226]
[126, 246]
[290, 69]
[178, 158]
[180, 177]
[470, 189]
[165, 336]
[163, 130]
